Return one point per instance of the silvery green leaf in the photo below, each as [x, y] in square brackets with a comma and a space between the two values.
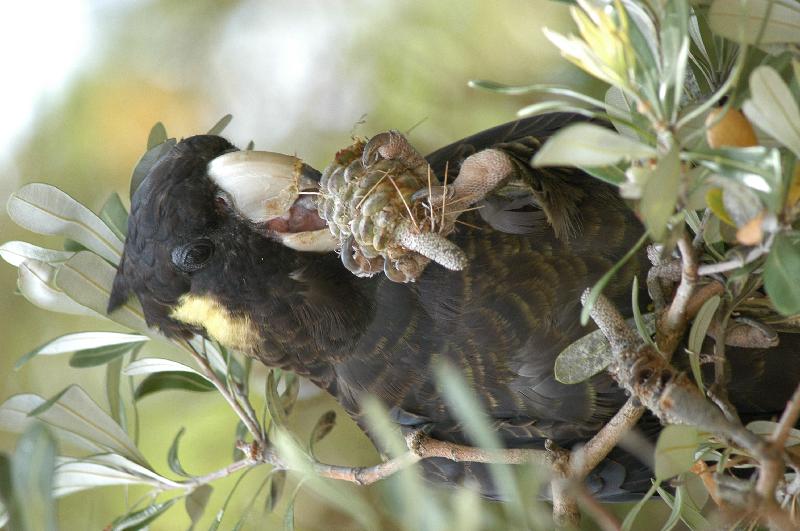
[140, 520]
[408, 483]
[547, 106]
[697, 335]
[630, 518]
[590, 354]
[277, 480]
[14, 418]
[100, 356]
[758, 168]
[683, 508]
[10, 507]
[173, 460]
[589, 145]
[600, 285]
[74, 417]
[675, 450]
[158, 135]
[464, 406]
[45, 209]
[36, 282]
[701, 323]
[167, 381]
[740, 202]
[782, 274]
[772, 107]
[148, 160]
[155, 365]
[660, 194]
[221, 124]
[32, 468]
[765, 428]
[215, 359]
[196, 502]
[3, 515]
[291, 451]
[80, 341]
[674, 39]
[15, 253]
[617, 106]
[74, 475]
[115, 403]
[697, 37]
[87, 279]
[321, 429]
[612, 175]
[123, 463]
[741, 21]
[115, 216]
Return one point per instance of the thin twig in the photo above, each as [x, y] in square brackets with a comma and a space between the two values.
[602, 516]
[252, 424]
[599, 446]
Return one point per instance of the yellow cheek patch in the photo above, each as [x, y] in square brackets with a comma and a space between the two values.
[232, 331]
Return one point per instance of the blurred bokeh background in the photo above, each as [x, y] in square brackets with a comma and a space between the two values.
[86, 79]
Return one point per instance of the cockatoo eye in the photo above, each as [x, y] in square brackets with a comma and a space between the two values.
[193, 256]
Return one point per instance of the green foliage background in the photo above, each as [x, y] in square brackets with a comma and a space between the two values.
[187, 63]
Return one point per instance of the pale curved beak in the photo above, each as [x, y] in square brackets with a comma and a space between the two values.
[263, 187]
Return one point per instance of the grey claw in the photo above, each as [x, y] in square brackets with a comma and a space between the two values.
[347, 257]
[371, 153]
[392, 273]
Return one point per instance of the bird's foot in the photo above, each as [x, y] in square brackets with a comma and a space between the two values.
[481, 174]
[391, 145]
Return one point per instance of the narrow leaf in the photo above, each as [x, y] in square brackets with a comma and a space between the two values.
[75, 475]
[196, 502]
[220, 126]
[140, 519]
[33, 468]
[45, 209]
[772, 107]
[675, 450]
[697, 335]
[591, 354]
[148, 160]
[113, 382]
[172, 456]
[156, 365]
[661, 194]
[323, 427]
[87, 279]
[598, 288]
[75, 418]
[12, 510]
[741, 21]
[36, 282]
[765, 428]
[172, 381]
[100, 356]
[630, 518]
[782, 275]
[589, 145]
[15, 253]
[80, 341]
[277, 482]
[115, 216]
[158, 135]
[464, 406]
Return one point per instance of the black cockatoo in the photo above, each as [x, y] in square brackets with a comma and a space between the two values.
[200, 262]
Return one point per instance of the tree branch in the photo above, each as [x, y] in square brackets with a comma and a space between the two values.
[674, 399]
